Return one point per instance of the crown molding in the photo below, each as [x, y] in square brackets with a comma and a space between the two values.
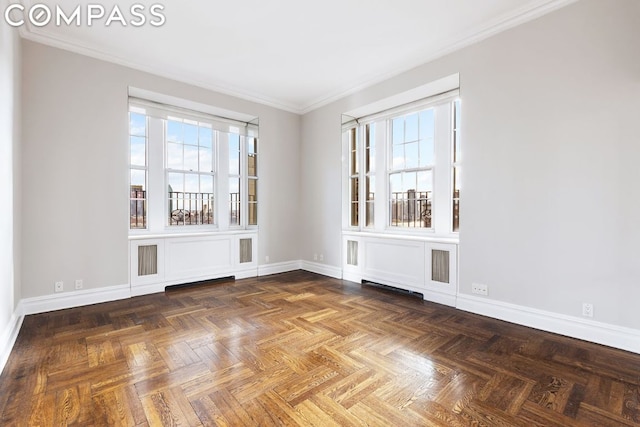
[42, 37]
[512, 19]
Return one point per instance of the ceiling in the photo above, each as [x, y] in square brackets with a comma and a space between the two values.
[292, 54]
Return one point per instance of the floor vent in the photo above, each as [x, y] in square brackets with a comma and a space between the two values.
[246, 252]
[440, 266]
[147, 260]
[393, 289]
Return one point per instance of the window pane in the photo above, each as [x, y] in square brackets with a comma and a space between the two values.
[425, 181]
[137, 200]
[253, 190]
[190, 158]
[456, 131]
[411, 154]
[206, 184]
[354, 189]
[253, 198]
[138, 178]
[427, 124]
[191, 183]
[426, 152]
[174, 156]
[137, 124]
[206, 137]
[456, 199]
[353, 150]
[398, 157]
[410, 202]
[138, 150]
[411, 128]
[234, 154]
[174, 131]
[252, 145]
[234, 202]
[253, 214]
[206, 160]
[398, 130]
[371, 150]
[176, 182]
[190, 134]
[252, 165]
[370, 198]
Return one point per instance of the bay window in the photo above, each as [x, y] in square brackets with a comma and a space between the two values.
[190, 170]
[411, 173]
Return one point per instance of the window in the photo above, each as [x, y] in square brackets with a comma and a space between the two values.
[180, 179]
[138, 171]
[455, 172]
[411, 169]
[190, 173]
[411, 159]
[252, 177]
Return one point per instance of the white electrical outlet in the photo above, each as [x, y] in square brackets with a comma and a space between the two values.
[321, 257]
[315, 257]
[477, 288]
[79, 284]
[58, 287]
[266, 259]
[587, 309]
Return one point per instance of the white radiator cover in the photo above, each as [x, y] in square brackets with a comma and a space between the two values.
[424, 265]
[190, 258]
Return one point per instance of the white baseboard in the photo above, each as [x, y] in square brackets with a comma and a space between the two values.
[277, 268]
[246, 274]
[65, 300]
[439, 297]
[587, 330]
[351, 276]
[8, 338]
[325, 270]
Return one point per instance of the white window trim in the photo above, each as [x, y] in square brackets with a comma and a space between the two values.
[443, 93]
[157, 222]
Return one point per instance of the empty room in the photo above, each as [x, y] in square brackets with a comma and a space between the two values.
[333, 213]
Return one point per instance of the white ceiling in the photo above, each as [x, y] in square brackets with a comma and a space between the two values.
[292, 54]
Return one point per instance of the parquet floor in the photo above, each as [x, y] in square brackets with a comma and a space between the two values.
[302, 349]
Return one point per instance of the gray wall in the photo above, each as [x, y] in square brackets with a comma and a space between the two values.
[9, 167]
[75, 173]
[550, 206]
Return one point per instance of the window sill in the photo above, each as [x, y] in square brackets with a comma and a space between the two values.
[393, 234]
[201, 233]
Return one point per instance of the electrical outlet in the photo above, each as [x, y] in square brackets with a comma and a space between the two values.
[321, 257]
[266, 259]
[58, 287]
[79, 284]
[587, 309]
[315, 257]
[477, 288]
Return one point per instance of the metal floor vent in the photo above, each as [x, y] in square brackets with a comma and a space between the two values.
[393, 289]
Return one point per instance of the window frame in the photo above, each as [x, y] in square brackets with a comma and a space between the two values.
[157, 168]
[442, 182]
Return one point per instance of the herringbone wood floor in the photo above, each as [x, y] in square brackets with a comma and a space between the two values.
[302, 349]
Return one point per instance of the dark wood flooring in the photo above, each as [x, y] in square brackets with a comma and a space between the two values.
[302, 349]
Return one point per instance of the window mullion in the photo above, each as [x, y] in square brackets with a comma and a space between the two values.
[244, 184]
[223, 201]
[156, 177]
